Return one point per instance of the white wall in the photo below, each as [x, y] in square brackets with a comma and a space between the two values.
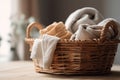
[112, 8]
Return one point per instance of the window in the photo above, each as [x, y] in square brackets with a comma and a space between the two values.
[5, 8]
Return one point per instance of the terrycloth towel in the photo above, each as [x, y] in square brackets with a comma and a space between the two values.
[43, 50]
[89, 32]
[84, 33]
[87, 15]
[57, 29]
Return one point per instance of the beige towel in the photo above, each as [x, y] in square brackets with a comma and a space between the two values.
[86, 15]
[58, 30]
[43, 50]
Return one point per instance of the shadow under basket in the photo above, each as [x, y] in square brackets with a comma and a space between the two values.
[90, 57]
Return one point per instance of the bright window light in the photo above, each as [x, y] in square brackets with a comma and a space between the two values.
[5, 9]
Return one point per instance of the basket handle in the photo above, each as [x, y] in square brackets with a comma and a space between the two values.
[30, 26]
[105, 29]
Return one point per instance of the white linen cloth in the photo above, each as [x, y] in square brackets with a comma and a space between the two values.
[90, 32]
[43, 50]
[86, 15]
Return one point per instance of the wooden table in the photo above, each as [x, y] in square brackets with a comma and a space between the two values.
[24, 70]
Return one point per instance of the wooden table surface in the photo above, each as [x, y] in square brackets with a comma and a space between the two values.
[24, 70]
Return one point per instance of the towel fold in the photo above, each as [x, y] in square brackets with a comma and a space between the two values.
[57, 29]
[87, 15]
[43, 50]
[84, 33]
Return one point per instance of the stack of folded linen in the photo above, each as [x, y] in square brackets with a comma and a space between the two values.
[58, 30]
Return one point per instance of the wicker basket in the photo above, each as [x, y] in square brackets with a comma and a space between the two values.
[80, 57]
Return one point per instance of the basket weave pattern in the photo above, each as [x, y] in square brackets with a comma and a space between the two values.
[79, 57]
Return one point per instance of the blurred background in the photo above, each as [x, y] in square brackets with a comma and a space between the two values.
[17, 14]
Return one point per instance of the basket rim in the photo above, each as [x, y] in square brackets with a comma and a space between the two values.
[77, 41]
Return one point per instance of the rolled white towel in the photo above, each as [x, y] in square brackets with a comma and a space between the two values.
[87, 15]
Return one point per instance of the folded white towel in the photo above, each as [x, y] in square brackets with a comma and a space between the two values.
[43, 50]
[86, 32]
[87, 15]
